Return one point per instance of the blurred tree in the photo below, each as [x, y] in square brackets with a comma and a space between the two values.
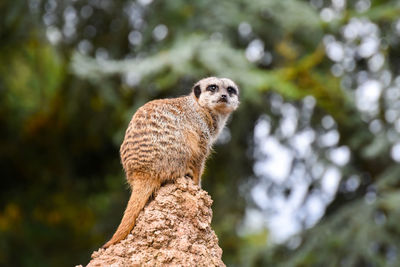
[315, 139]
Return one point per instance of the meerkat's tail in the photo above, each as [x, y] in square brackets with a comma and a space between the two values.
[142, 189]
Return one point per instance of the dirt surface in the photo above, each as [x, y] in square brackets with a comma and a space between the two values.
[172, 230]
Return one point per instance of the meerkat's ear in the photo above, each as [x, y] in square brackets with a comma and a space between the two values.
[197, 90]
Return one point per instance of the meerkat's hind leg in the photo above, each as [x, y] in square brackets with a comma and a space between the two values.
[194, 175]
[189, 175]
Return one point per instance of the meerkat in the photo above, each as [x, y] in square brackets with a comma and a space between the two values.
[171, 138]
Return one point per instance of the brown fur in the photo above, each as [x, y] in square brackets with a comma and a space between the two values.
[171, 138]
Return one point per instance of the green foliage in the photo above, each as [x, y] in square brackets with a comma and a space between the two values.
[364, 232]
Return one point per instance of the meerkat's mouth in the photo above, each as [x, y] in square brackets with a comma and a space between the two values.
[223, 100]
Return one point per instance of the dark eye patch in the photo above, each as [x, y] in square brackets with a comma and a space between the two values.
[231, 90]
[212, 88]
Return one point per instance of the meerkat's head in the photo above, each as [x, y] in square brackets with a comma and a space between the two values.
[219, 94]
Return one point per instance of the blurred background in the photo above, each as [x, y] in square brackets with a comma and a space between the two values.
[306, 174]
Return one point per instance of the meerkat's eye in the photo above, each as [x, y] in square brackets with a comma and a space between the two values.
[212, 88]
[231, 90]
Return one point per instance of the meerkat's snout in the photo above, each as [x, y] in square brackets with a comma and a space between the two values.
[223, 98]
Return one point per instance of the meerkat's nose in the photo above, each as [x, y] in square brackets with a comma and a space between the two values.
[223, 96]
